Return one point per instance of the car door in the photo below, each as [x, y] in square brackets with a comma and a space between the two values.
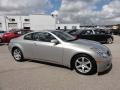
[45, 50]
[87, 34]
[28, 46]
[100, 36]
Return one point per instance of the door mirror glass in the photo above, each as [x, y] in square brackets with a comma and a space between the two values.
[55, 41]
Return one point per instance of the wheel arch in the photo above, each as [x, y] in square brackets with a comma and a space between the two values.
[14, 47]
[74, 56]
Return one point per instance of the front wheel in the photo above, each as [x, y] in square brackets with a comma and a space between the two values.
[85, 65]
[17, 54]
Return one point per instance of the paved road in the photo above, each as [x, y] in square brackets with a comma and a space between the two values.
[37, 76]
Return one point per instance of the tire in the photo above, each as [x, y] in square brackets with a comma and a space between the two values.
[85, 65]
[18, 55]
[0, 40]
[109, 41]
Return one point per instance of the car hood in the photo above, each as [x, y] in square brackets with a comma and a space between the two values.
[90, 44]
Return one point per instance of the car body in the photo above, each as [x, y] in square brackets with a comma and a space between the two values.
[61, 48]
[99, 35]
[116, 31]
[13, 34]
[1, 35]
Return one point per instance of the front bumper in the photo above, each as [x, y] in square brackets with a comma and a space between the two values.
[104, 64]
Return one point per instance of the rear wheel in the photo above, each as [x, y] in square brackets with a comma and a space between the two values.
[109, 40]
[85, 65]
[0, 40]
[17, 54]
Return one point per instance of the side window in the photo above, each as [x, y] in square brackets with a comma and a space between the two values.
[74, 32]
[101, 32]
[87, 32]
[28, 37]
[83, 32]
[43, 36]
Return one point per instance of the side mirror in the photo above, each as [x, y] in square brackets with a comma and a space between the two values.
[55, 41]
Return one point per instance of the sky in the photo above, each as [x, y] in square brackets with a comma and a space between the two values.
[84, 12]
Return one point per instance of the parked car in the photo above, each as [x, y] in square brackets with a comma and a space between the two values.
[101, 36]
[85, 56]
[13, 34]
[116, 31]
[1, 34]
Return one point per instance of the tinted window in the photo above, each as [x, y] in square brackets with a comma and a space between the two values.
[100, 32]
[43, 36]
[2, 31]
[25, 31]
[87, 32]
[28, 36]
[74, 32]
[63, 36]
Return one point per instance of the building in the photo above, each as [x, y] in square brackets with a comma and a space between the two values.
[14, 22]
[67, 26]
[33, 22]
[42, 22]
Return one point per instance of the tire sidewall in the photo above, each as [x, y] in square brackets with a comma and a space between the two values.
[93, 65]
[109, 40]
[22, 59]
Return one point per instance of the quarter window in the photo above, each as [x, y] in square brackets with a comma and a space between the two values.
[28, 37]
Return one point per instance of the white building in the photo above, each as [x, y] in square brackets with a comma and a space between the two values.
[42, 22]
[14, 22]
[33, 22]
[67, 26]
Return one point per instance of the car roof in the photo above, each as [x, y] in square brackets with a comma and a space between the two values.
[44, 30]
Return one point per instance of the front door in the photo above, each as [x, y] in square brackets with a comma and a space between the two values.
[46, 50]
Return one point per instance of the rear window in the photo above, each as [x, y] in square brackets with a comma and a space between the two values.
[2, 31]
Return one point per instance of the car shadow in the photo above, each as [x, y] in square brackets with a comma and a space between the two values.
[1, 44]
[106, 71]
[48, 63]
[61, 66]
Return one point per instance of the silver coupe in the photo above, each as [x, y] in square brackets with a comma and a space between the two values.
[86, 57]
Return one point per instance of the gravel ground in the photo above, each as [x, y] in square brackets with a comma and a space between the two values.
[38, 76]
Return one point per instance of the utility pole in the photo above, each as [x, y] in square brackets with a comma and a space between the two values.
[5, 22]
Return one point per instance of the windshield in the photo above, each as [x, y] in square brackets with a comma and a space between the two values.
[64, 36]
[2, 32]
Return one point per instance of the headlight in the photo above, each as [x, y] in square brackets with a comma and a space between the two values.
[100, 52]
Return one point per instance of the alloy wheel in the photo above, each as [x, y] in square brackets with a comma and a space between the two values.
[17, 54]
[83, 65]
[109, 41]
